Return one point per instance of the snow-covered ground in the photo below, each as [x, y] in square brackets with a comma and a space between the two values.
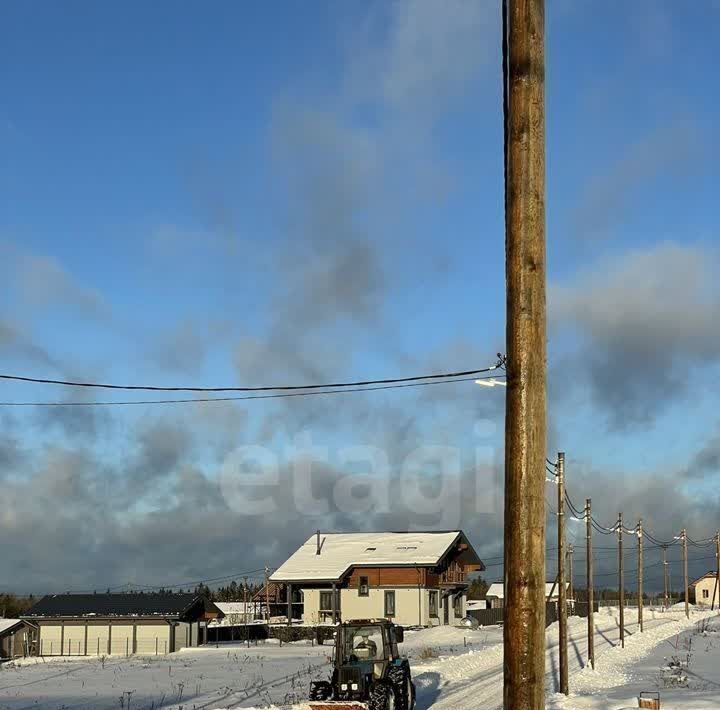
[452, 668]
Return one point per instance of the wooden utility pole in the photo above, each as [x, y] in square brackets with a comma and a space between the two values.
[665, 577]
[525, 415]
[716, 589]
[683, 535]
[562, 588]
[589, 572]
[621, 579]
[640, 574]
[571, 576]
[267, 596]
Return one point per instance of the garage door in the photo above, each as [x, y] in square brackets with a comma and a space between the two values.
[153, 639]
[97, 643]
[50, 640]
[121, 640]
[74, 641]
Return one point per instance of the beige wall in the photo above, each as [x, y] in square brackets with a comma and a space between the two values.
[152, 638]
[50, 639]
[706, 585]
[97, 642]
[121, 641]
[412, 606]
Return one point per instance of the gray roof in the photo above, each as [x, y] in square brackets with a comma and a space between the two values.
[155, 604]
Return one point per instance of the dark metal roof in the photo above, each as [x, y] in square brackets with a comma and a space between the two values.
[113, 605]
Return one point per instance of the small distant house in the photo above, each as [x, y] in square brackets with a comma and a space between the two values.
[413, 578]
[233, 613]
[703, 591]
[16, 638]
[496, 594]
[100, 624]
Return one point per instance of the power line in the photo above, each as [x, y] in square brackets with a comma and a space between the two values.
[187, 583]
[200, 400]
[158, 388]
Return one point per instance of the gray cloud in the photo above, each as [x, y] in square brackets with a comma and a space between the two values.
[16, 344]
[672, 148]
[643, 319]
[706, 461]
[42, 282]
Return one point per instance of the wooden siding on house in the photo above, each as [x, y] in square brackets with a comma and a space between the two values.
[388, 576]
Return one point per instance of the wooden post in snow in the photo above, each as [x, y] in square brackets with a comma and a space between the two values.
[621, 579]
[590, 591]
[562, 587]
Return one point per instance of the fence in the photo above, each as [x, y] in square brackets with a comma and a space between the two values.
[488, 617]
[99, 647]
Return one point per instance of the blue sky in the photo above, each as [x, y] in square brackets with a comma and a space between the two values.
[254, 193]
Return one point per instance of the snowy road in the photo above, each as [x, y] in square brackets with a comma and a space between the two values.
[464, 681]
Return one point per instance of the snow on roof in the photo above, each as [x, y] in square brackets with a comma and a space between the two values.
[228, 608]
[340, 551]
[497, 589]
[712, 574]
[6, 624]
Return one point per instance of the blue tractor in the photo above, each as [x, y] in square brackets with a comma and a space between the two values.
[368, 671]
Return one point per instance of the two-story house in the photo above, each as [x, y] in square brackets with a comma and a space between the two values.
[412, 578]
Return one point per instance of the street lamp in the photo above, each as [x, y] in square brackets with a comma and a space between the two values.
[491, 382]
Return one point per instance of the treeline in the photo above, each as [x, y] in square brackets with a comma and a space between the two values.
[233, 592]
[12, 606]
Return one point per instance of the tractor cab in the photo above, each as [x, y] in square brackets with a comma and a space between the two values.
[368, 670]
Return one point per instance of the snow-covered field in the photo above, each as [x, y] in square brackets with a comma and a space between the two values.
[453, 668]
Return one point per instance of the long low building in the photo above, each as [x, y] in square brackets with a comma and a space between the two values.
[118, 624]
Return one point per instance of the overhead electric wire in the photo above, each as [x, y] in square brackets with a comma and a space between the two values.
[278, 395]
[270, 388]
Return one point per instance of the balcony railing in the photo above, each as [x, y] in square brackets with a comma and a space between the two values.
[453, 576]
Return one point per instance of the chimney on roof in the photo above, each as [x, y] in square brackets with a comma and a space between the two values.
[317, 551]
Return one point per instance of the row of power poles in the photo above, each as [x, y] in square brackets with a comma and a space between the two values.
[565, 564]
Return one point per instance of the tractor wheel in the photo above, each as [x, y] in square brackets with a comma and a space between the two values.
[383, 696]
[404, 690]
[321, 690]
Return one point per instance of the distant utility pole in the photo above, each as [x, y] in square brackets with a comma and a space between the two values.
[683, 535]
[665, 577]
[267, 596]
[571, 578]
[525, 412]
[590, 592]
[716, 588]
[621, 579]
[640, 573]
[562, 589]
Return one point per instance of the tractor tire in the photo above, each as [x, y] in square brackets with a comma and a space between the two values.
[321, 690]
[383, 696]
[404, 689]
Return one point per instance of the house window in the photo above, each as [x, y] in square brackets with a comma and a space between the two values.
[706, 593]
[363, 587]
[389, 603]
[457, 605]
[434, 598]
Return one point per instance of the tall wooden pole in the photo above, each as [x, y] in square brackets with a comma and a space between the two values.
[570, 574]
[716, 590]
[562, 588]
[665, 577]
[525, 424]
[685, 572]
[621, 579]
[267, 596]
[640, 574]
[590, 592]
